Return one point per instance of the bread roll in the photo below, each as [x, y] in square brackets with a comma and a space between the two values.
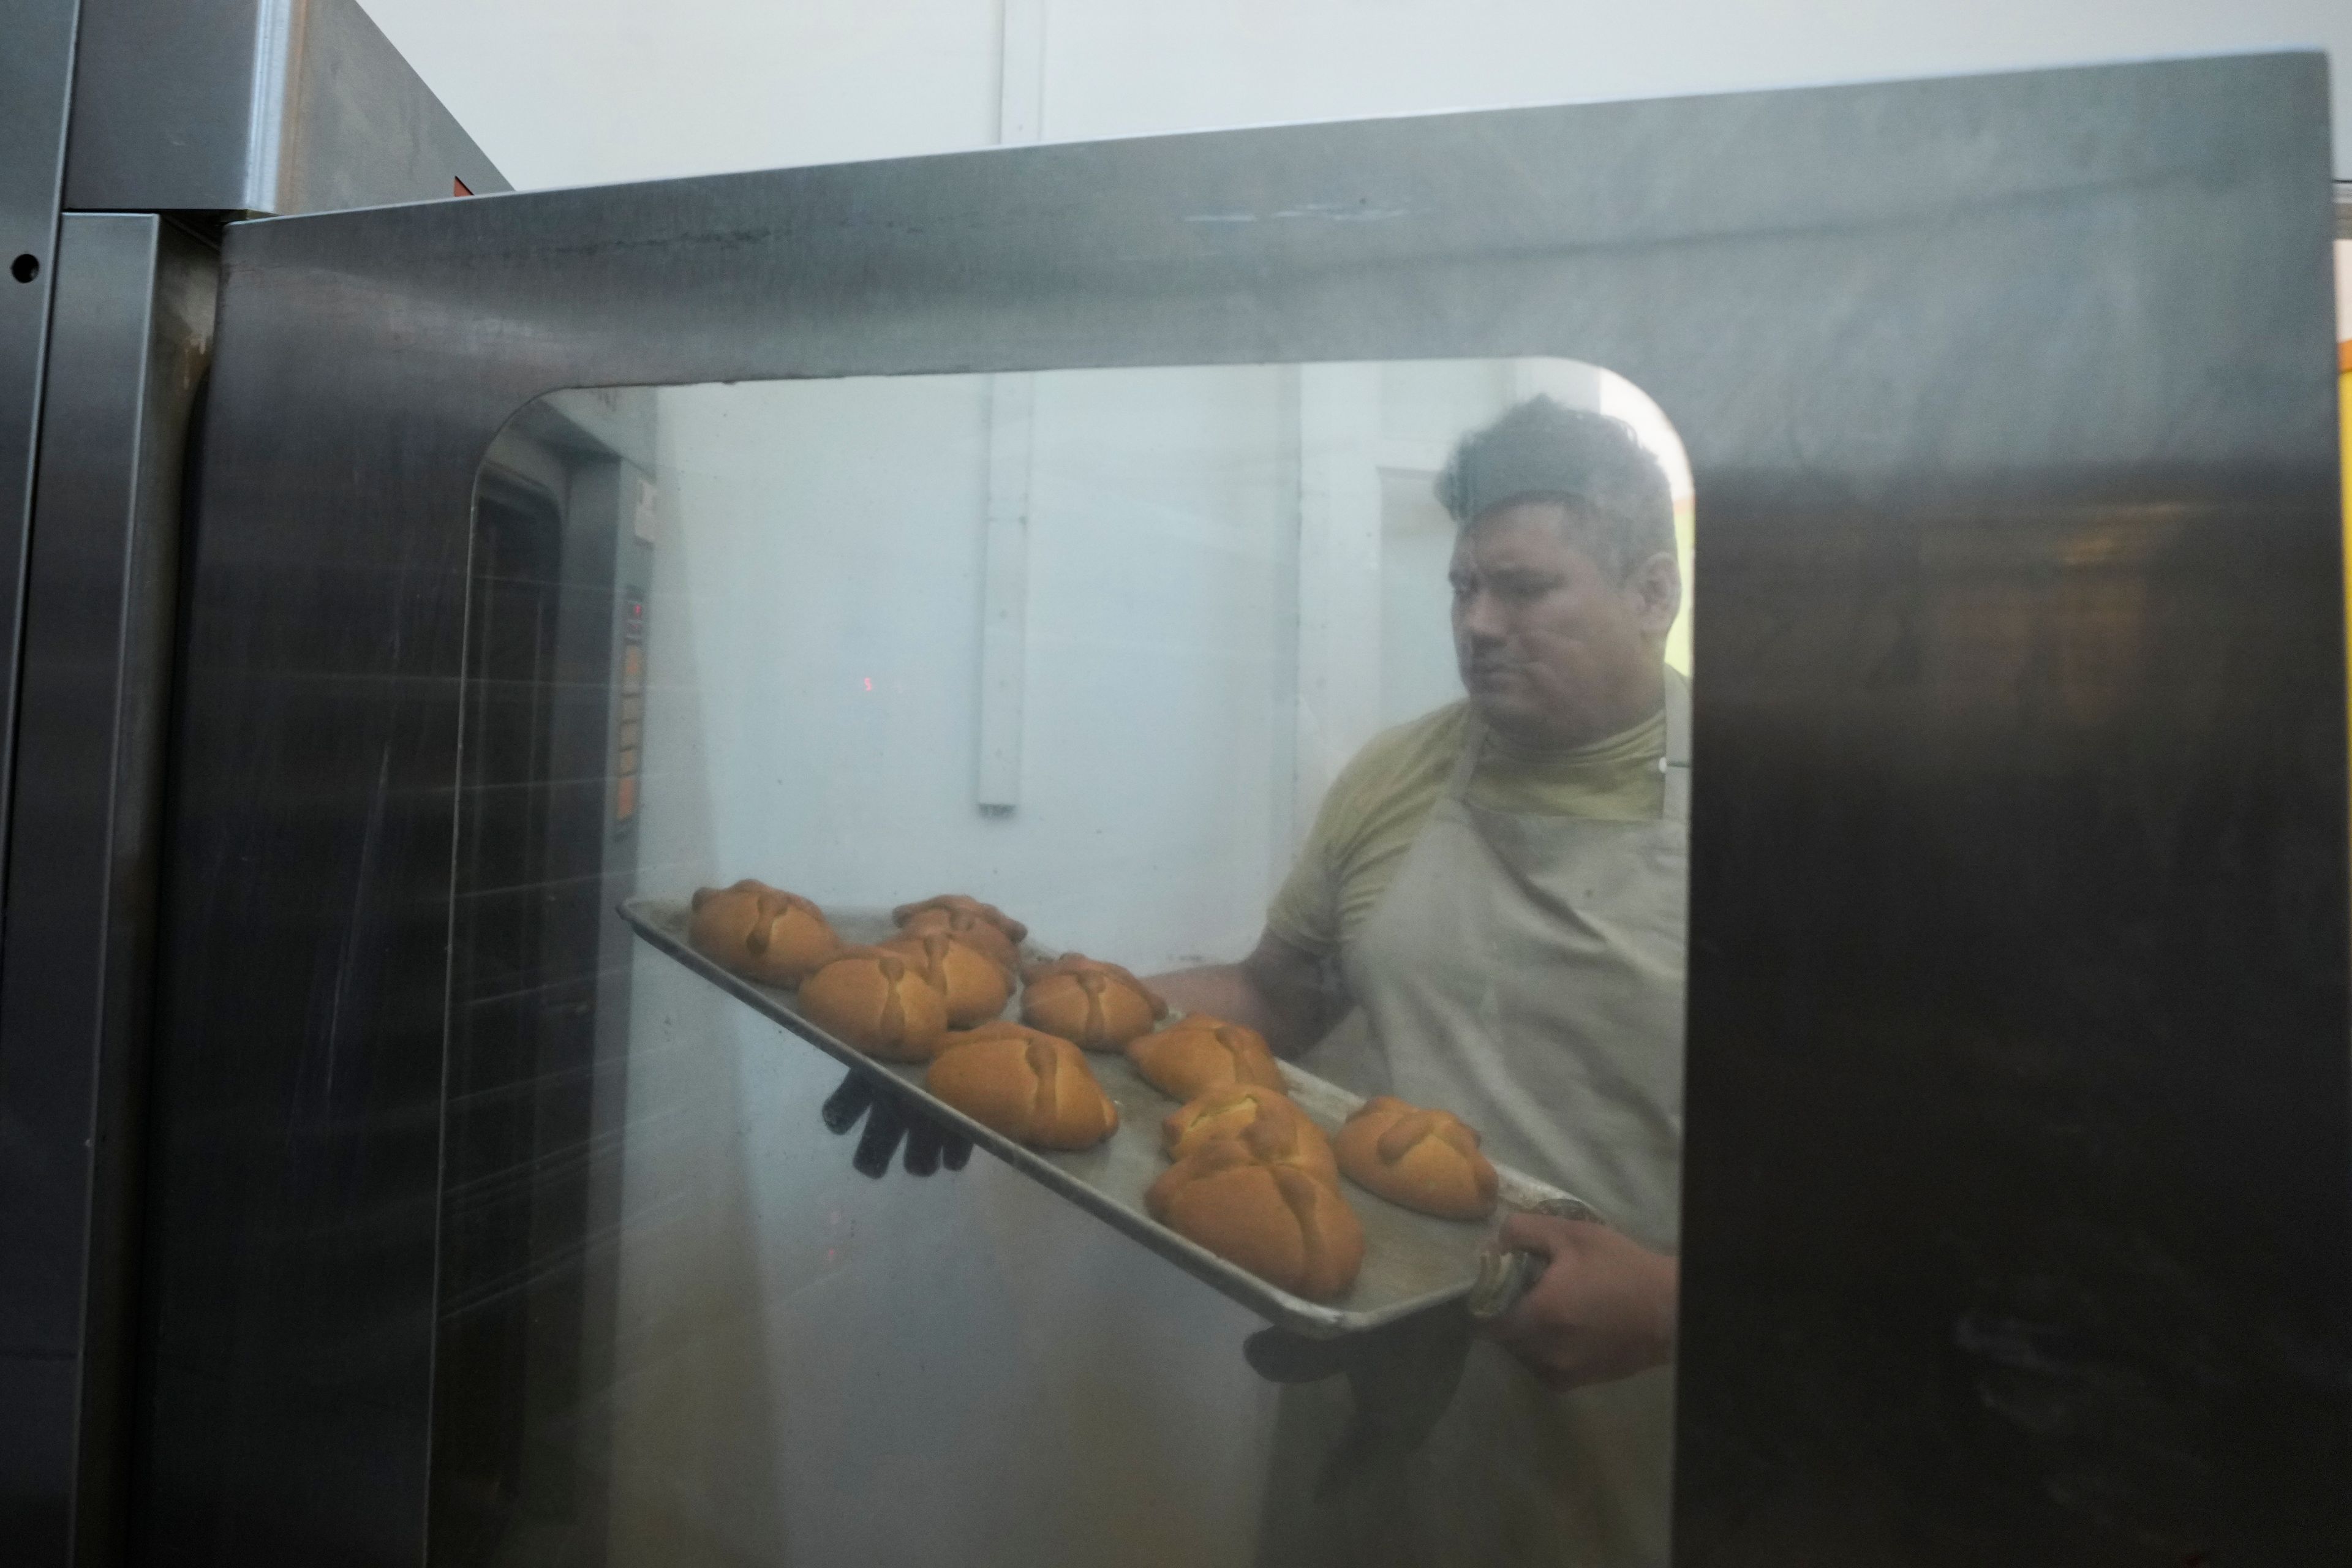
[1079, 964]
[1227, 1113]
[877, 1001]
[1028, 1086]
[1246, 1199]
[762, 933]
[1201, 1053]
[1095, 1004]
[974, 986]
[983, 926]
[1425, 1160]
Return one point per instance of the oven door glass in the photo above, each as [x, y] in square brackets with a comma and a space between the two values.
[817, 734]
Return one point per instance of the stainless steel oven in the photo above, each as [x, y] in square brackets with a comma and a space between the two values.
[1056, 525]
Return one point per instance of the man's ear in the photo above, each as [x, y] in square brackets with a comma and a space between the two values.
[1656, 586]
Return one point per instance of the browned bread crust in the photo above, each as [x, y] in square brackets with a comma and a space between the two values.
[1079, 964]
[877, 1001]
[1229, 1111]
[983, 926]
[974, 986]
[1425, 1160]
[1098, 1005]
[1199, 1053]
[1246, 1199]
[1032, 1086]
[762, 933]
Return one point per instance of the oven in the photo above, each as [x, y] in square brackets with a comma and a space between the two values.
[1070, 527]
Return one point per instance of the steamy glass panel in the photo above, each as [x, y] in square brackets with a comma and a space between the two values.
[1023, 940]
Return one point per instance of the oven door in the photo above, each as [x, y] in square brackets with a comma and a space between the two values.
[1042, 524]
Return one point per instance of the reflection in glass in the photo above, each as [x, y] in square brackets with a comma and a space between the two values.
[1170, 664]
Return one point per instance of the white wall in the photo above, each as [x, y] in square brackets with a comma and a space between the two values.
[825, 554]
[591, 91]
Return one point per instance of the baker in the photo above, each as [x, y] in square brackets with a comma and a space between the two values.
[1500, 888]
[1493, 897]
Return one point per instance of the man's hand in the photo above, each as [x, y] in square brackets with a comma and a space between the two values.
[1603, 1308]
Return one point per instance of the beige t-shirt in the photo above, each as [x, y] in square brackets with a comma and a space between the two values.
[1376, 804]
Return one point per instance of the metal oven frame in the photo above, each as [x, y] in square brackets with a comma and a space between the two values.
[2019, 1189]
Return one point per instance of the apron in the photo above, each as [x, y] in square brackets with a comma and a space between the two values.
[1526, 973]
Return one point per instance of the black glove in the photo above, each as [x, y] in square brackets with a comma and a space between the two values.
[1403, 1376]
[889, 1119]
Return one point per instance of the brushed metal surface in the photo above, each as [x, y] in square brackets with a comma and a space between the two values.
[133, 322]
[1412, 1262]
[2017, 1220]
[36, 80]
[255, 106]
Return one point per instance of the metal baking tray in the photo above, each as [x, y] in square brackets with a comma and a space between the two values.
[1412, 1261]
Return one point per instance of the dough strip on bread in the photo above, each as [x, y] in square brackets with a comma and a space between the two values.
[893, 1021]
[1299, 1191]
[1092, 982]
[1045, 1100]
[1407, 1130]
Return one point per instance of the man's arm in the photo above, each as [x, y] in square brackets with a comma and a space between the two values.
[1281, 990]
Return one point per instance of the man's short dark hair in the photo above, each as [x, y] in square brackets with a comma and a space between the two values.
[1594, 465]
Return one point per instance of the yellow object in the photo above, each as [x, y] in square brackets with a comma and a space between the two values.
[1377, 804]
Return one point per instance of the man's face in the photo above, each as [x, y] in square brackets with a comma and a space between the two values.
[1554, 651]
